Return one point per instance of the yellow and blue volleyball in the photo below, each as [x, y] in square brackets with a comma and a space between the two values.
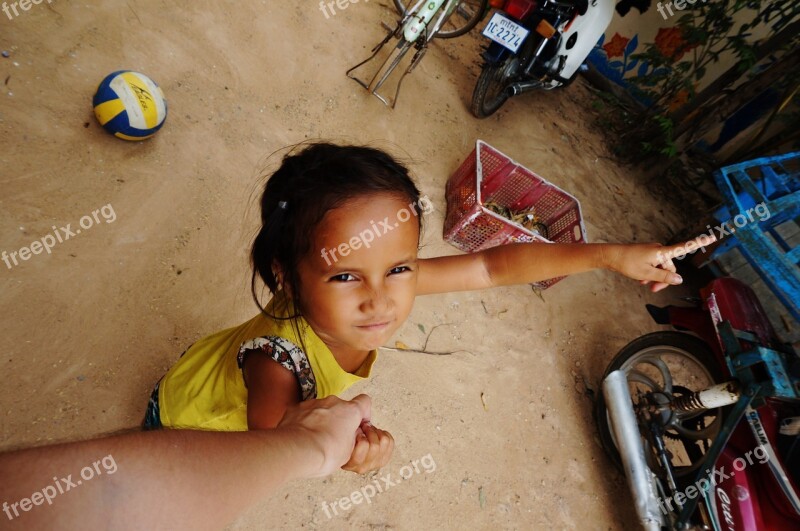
[130, 105]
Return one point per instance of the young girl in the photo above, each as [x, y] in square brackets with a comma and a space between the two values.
[338, 251]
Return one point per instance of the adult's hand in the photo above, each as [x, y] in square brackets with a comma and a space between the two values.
[331, 426]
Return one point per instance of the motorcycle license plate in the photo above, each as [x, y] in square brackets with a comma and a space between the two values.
[506, 32]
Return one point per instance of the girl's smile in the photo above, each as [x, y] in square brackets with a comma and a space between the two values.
[374, 326]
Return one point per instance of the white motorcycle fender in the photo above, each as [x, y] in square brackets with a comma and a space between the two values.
[588, 27]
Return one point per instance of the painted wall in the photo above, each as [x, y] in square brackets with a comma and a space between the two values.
[639, 22]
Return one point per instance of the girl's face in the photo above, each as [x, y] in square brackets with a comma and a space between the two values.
[358, 285]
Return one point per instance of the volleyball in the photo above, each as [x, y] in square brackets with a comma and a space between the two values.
[130, 105]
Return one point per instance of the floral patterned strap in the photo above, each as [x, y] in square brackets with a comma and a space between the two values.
[289, 355]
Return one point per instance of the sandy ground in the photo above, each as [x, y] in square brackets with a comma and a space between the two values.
[88, 329]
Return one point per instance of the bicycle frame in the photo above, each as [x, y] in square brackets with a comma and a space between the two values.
[733, 325]
[419, 20]
[748, 366]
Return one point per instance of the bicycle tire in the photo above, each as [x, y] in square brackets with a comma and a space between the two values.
[689, 343]
[480, 7]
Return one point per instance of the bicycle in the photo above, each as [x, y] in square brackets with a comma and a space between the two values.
[466, 15]
[419, 18]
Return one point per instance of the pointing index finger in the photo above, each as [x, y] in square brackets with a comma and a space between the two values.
[679, 250]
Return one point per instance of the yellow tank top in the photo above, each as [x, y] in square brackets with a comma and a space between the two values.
[205, 389]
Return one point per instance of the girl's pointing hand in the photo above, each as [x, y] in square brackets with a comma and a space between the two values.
[651, 263]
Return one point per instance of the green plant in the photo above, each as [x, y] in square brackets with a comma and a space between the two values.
[680, 57]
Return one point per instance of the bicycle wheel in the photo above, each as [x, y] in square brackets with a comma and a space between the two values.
[672, 364]
[466, 15]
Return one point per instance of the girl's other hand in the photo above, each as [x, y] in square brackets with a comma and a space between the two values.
[651, 263]
[372, 451]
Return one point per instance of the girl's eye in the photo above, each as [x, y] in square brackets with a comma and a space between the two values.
[399, 269]
[344, 277]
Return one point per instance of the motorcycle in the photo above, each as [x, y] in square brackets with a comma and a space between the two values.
[705, 420]
[536, 44]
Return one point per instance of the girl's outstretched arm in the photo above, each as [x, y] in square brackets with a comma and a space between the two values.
[521, 263]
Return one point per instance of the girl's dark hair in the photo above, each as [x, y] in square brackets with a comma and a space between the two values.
[309, 183]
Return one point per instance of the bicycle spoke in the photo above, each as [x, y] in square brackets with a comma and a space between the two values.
[465, 11]
[458, 20]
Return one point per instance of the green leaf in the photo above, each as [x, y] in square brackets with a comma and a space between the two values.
[699, 73]
[421, 328]
[669, 150]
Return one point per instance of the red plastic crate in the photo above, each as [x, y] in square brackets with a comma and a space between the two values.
[489, 175]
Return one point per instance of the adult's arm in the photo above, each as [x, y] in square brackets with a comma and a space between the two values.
[271, 389]
[174, 479]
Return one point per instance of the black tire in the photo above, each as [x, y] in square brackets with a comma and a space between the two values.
[465, 17]
[685, 342]
[490, 90]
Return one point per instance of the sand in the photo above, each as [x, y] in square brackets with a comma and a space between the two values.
[89, 328]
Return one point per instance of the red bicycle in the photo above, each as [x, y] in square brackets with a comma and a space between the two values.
[705, 421]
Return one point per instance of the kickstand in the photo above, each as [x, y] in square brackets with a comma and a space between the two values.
[375, 51]
[392, 60]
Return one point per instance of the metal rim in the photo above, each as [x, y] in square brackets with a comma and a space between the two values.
[652, 356]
